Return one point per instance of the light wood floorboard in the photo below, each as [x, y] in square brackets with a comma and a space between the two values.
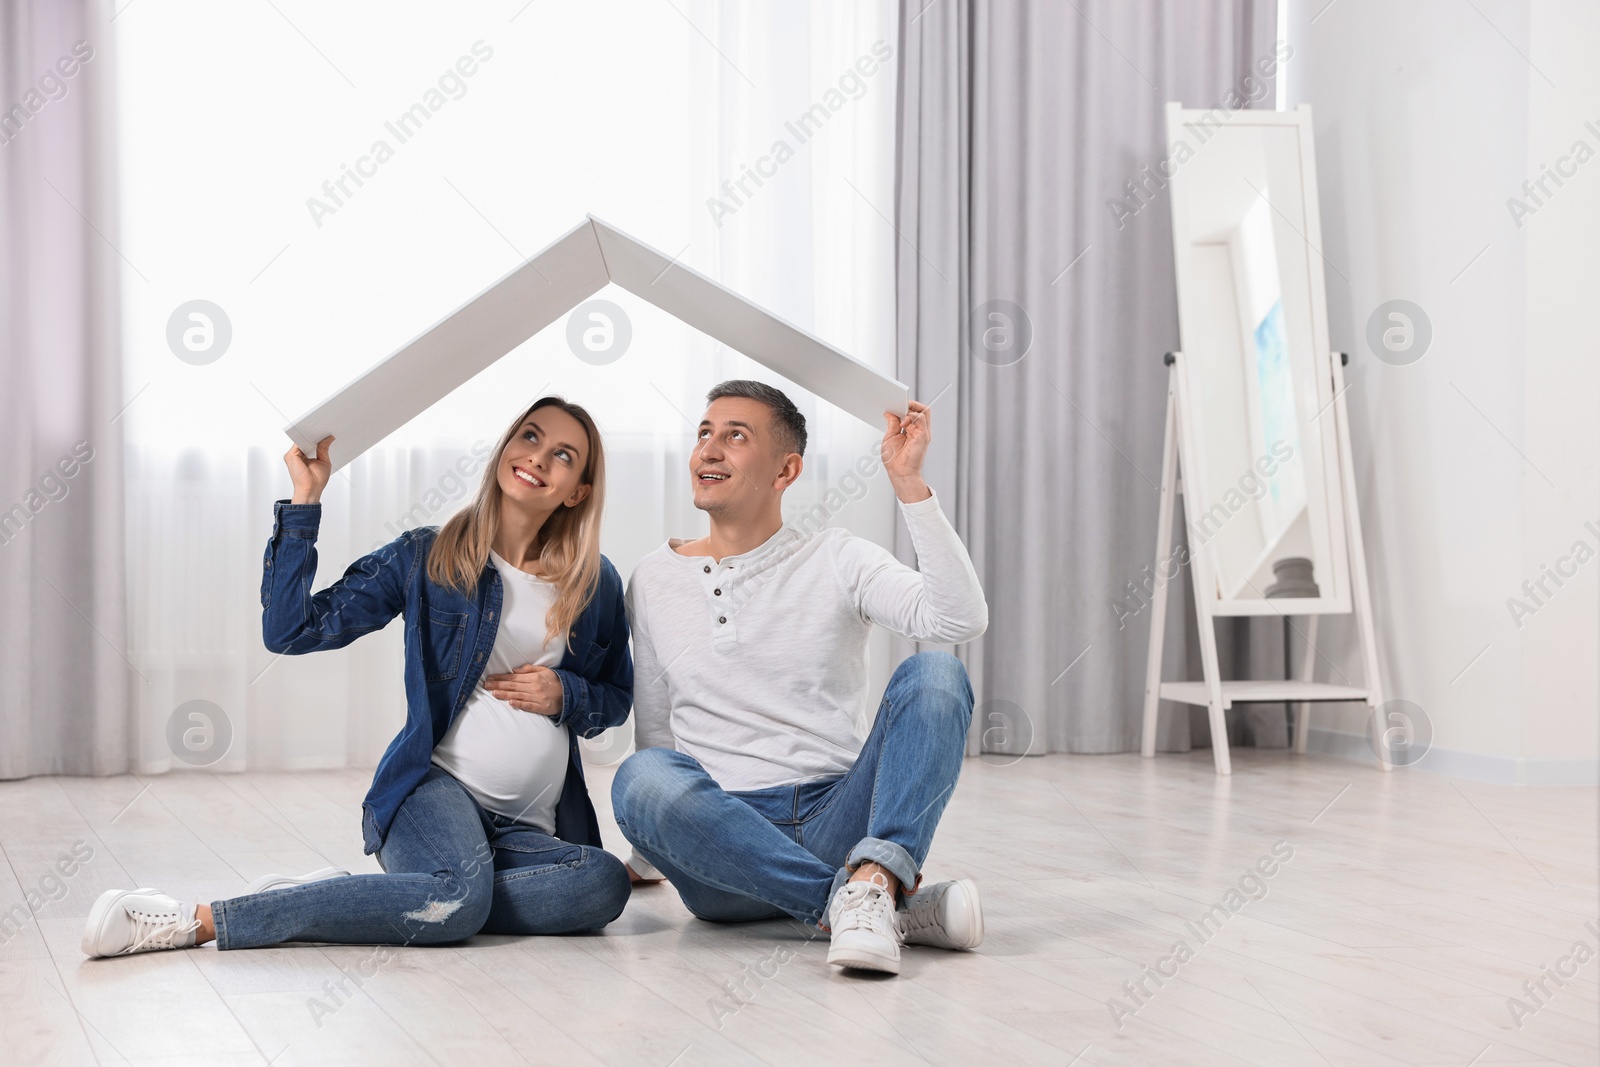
[1413, 909]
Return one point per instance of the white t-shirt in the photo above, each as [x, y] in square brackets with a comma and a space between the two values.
[756, 664]
[513, 762]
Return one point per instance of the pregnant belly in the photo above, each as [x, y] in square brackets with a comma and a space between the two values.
[513, 762]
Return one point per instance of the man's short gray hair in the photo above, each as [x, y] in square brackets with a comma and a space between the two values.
[788, 425]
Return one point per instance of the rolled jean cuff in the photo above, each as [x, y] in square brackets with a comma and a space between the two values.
[886, 854]
[219, 923]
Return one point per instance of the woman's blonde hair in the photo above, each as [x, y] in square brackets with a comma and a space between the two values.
[569, 541]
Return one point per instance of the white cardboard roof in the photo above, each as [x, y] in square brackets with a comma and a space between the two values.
[569, 271]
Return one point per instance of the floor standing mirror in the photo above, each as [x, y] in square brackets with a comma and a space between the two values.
[1257, 439]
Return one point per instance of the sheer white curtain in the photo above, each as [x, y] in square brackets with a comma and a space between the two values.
[639, 113]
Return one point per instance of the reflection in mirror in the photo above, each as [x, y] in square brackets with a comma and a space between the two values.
[1259, 484]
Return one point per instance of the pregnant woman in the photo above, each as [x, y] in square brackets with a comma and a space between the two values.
[516, 645]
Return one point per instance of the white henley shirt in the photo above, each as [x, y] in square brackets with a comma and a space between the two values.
[756, 664]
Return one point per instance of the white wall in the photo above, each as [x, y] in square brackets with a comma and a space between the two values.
[1477, 465]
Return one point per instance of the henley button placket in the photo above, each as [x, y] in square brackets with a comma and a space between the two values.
[726, 632]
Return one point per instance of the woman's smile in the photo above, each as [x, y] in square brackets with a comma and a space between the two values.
[524, 475]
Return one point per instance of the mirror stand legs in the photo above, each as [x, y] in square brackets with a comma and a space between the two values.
[1308, 664]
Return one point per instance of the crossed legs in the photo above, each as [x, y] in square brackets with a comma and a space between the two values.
[787, 850]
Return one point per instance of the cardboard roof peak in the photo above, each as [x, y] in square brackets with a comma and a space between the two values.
[547, 286]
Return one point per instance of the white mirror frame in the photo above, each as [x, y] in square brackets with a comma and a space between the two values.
[1186, 126]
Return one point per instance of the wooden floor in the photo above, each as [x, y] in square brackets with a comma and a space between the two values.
[1412, 909]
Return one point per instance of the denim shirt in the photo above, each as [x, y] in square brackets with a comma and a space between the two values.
[447, 642]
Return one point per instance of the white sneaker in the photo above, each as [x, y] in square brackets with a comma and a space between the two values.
[865, 935]
[125, 921]
[641, 871]
[945, 915]
[283, 881]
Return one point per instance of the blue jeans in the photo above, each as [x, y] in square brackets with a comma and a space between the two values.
[453, 870]
[765, 853]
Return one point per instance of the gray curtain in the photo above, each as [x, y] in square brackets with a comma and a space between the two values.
[1024, 207]
[64, 676]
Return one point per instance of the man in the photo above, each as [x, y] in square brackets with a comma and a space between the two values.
[752, 790]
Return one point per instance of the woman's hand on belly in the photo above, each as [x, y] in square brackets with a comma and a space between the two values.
[528, 688]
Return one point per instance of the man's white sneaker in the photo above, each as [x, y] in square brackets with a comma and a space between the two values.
[125, 921]
[283, 881]
[865, 935]
[945, 915]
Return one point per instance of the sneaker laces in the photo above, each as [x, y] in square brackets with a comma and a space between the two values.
[865, 904]
[918, 916]
[157, 931]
